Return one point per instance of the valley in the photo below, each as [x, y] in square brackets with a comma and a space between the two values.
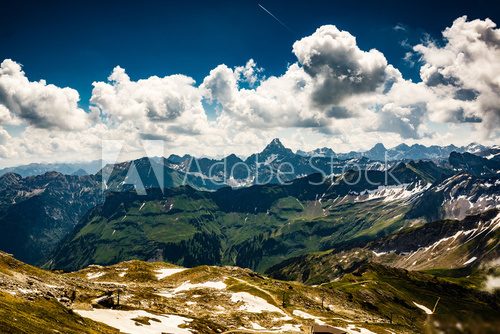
[405, 247]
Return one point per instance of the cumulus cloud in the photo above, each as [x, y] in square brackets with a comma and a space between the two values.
[158, 107]
[249, 73]
[340, 68]
[221, 85]
[315, 92]
[402, 120]
[277, 102]
[334, 92]
[464, 73]
[38, 104]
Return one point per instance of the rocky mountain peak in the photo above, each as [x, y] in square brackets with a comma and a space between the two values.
[276, 147]
[275, 143]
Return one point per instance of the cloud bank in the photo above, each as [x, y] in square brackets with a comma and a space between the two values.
[335, 94]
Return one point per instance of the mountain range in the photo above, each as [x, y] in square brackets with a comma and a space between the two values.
[46, 208]
[259, 226]
[402, 151]
[273, 150]
[33, 169]
[37, 212]
[381, 237]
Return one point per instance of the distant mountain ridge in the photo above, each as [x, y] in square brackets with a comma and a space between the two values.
[276, 159]
[274, 164]
[44, 209]
[401, 152]
[77, 168]
[272, 151]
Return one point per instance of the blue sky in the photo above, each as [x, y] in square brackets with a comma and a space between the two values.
[73, 43]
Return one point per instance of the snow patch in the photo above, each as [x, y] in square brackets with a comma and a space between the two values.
[270, 159]
[256, 328]
[165, 272]
[353, 329]
[392, 192]
[305, 315]
[378, 254]
[27, 291]
[253, 304]
[256, 325]
[217, 285]
[122, 320]
[289, 328]
[94, 275]
[492, 283]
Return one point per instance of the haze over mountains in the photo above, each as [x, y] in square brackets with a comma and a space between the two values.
[33, 169]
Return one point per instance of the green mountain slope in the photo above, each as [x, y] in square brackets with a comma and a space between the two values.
[463, 251]
[253, 227]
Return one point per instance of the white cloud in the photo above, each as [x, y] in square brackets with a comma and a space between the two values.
[38, 104]
[157, 107]
[276, 102]
[221, 85]
[329, 83]
[402, 120]
[465, 73]
[335, 93]
[248, 73]
[339, 67]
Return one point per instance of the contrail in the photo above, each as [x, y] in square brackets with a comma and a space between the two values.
[274, 17]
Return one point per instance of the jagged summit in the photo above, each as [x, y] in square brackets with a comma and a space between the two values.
[322, 152]
[377, 152]
[232, 156]
[276, 143]
[276, 147]
[474, 148]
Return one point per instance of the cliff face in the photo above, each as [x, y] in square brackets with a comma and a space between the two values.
[37, 212]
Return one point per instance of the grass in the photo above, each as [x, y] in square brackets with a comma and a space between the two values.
[391, 292]
[466, 277]
[367, 297]
[182, 223]
[43, 316]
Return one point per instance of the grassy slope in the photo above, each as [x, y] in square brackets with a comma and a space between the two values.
[369, 297]
[18, 315]
[257, 237]
[210, 310]
[391, 292]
